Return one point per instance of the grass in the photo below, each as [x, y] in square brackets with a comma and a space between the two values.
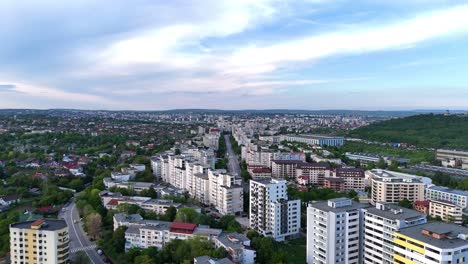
[296, 250]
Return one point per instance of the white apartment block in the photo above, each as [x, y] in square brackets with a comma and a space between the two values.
[456, 197]
[40, 241]
[226, 193]
[271, 213]
[392, 187]
[380, 223]
[137, 187]
[334, 231]
[319, 140]
[150, 233]
[210, 187]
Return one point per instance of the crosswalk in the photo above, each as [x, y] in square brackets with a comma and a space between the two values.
[92, 247]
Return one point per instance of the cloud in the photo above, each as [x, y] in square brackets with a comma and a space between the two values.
[38, 91]
[392, 36]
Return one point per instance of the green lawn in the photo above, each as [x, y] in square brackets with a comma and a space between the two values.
[296, 250]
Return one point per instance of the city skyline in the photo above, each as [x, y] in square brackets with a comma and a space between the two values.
[156, 55]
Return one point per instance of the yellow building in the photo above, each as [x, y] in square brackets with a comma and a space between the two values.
[431, 243]
[39, 241]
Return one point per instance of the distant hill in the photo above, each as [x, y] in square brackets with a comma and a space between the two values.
[428, 130]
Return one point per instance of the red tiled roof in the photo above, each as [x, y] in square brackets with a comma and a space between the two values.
[260, 170]
[421, 203]
[46, 208]
[38, 222]
[180, 227]
[113, 202]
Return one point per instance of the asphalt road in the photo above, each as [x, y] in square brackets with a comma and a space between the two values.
[79, 239]
[233, 162]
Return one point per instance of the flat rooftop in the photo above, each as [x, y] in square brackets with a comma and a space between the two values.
[323, 206]
[46, 224]
[448, 190]
[395, 212]
[452, 231]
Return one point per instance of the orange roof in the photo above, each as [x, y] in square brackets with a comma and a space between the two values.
[38, 222]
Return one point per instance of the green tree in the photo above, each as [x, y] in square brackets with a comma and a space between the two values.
[405, 203]
[170, 214]
[187, 215]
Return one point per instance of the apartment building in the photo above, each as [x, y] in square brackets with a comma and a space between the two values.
[158, 233]
[353, 178]
[271, 213]
[392, 187]
[432, 243]
[334, 231]
[39, 241]
[226, 193]
[380, 223]
[238, 247]
[447, 211]
[284, 168]
[137, 187]
[336, 184]
[365, 158]
[315, 172]
[457, 197]
[318, 140]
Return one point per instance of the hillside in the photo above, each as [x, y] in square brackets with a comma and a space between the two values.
[433, 131]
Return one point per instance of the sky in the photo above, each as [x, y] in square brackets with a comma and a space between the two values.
[239, 54]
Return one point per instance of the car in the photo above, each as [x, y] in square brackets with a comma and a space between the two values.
[74, 221]
[99, 251]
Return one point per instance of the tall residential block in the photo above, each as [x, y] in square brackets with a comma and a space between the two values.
[335, 231]
[271, 213]
[39, 241]
[380, 223]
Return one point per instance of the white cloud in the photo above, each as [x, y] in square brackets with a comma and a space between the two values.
[376, 38]
[52, 93]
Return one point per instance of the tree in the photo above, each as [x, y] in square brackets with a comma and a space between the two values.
[81, 258]
[149, 193]
[118, 239]
[405, 203]
[187, 215]
[170, 214]
[93, 225]
[381, 164]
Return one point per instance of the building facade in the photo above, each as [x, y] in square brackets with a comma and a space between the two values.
[380, 223]
[456, 197]
[432, 243]
[391, 187]
[334, 231]
[39, 241]
[271, 213]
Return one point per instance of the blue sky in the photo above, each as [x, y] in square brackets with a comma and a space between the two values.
[239, 54]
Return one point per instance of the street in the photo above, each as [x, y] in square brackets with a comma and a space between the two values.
[79, 241]
[233, 162]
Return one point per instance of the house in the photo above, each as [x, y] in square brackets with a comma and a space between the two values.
[9, 199]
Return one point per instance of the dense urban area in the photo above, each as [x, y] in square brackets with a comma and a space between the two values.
[207, 186]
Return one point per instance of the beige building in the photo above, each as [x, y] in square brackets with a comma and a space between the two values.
[447, 211]
[392, 187]
[39, 241]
